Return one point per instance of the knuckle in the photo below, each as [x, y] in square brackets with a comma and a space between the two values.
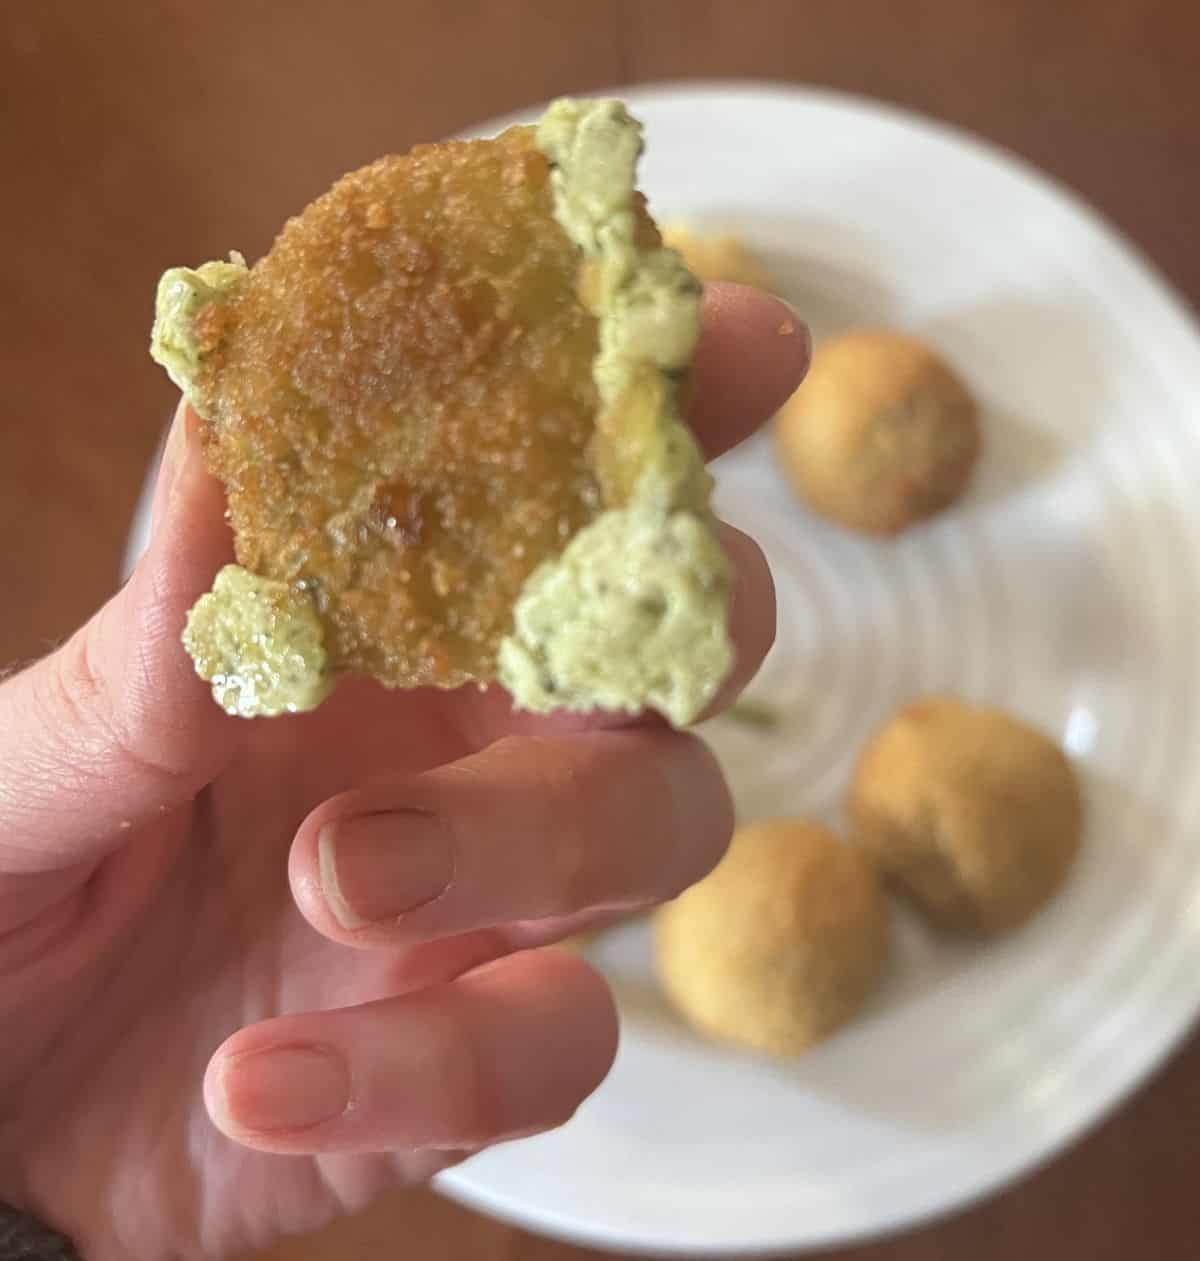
[563, 810]
[98, 715]
[478, 1111]
[72, 687]
[615, 818]
[698, 814]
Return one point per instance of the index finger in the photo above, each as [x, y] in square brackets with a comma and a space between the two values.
[753, 353]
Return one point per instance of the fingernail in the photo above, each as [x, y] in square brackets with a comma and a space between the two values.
[793, 325]
[284, 1088]
[377, 867]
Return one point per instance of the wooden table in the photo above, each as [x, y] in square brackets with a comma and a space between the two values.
[133, 136]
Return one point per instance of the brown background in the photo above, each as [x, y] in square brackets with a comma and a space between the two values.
[134, 136]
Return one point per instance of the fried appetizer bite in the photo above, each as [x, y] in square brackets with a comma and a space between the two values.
[446, 408]
[781, 944]
[970, 813]
[881, 435]
[720, 256]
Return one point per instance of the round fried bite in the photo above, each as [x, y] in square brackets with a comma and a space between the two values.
[971, 814]
[781, 944]
[444, 407]
[716, 257]
[881, 435]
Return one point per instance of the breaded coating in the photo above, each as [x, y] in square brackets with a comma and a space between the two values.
[973, 815]
[402, 418]
[446, 369]
[881, 435]
[781, 944]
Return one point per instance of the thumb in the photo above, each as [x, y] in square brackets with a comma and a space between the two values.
[115, 727]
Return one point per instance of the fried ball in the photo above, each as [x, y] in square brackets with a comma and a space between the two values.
[781, 944]
[717, 257]
[970, 813]
[445, 410]
[881, 435]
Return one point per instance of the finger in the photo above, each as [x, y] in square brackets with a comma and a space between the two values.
[436, 962]
[483, 716]
[508, 1050]
[527, 829]
[753, 354]
[115, 727]
[752, 615]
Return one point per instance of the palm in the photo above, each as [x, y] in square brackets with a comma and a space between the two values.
[136, 937]
[211, 941]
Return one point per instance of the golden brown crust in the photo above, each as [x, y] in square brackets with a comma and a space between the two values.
[973, 815]
[781, 944]
[412, 347]
[881, 435]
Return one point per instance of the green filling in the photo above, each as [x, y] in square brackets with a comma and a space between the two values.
[633, 613]
[182, 293]
[260, 644]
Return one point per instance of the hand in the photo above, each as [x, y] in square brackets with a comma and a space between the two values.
[253, 974]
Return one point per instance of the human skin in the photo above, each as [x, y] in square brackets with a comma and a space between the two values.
[224, 942]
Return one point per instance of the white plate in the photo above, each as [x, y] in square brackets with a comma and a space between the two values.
[1065, 588]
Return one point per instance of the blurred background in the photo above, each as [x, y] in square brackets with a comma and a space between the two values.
[133, 137]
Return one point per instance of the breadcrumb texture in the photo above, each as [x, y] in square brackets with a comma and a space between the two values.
[431, 385]
[975, 816]
[781, 945]
[882, 434]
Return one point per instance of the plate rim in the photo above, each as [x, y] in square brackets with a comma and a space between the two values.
[456, 1183]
